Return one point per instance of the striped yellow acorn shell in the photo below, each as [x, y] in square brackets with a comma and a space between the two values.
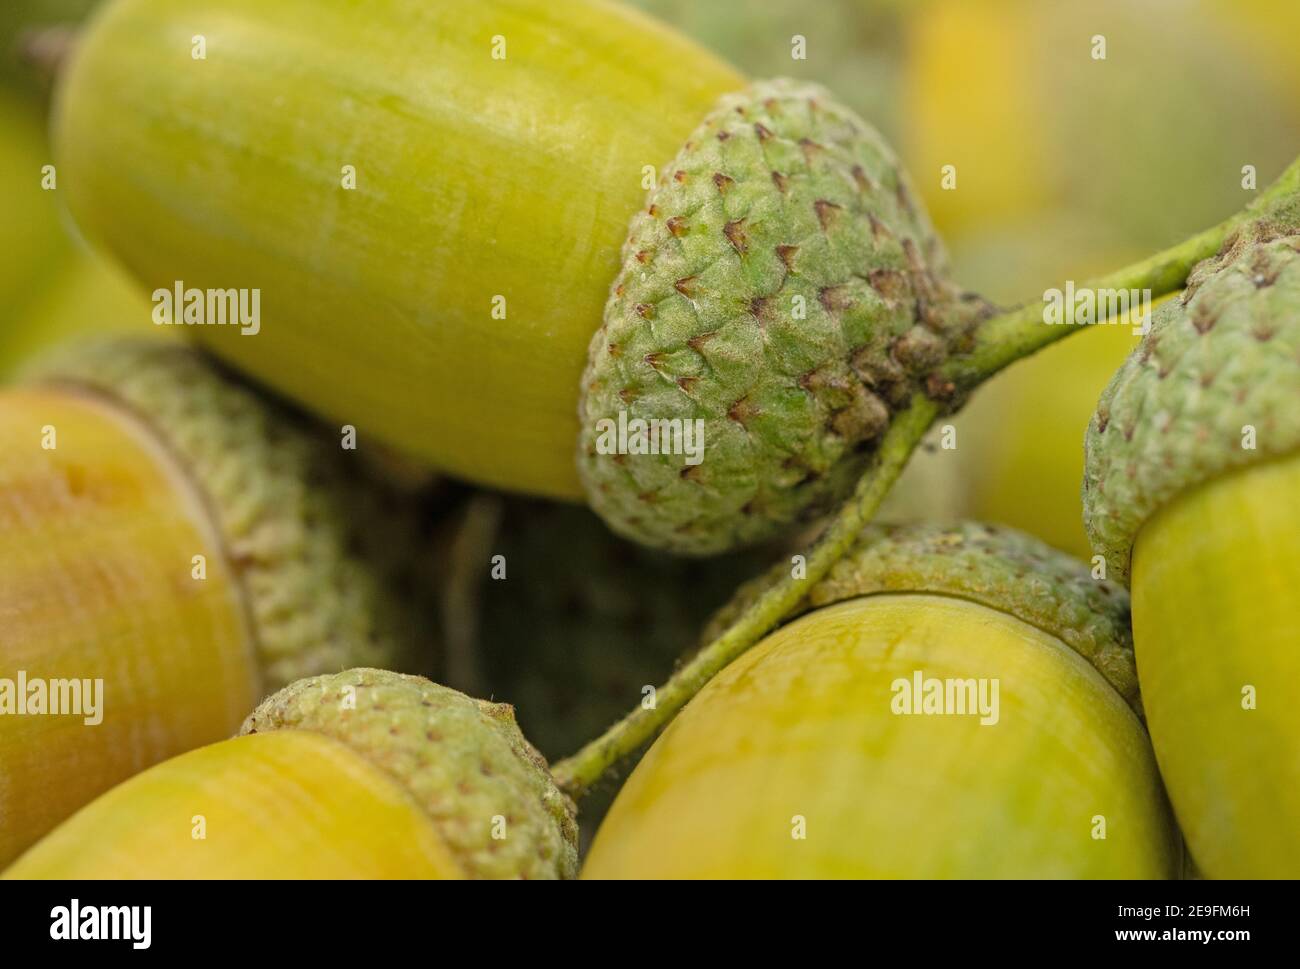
[176, 548]
[800, 760]
[482, 184]
[359, 774]
[1192, 496]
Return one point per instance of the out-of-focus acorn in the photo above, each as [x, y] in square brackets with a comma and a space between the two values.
[360, 774]
[172, 549]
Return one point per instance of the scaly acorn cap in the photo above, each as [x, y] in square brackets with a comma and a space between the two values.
[996, 567]
[464, 761]
[784, 286]
[318, 547]
[1223, 356]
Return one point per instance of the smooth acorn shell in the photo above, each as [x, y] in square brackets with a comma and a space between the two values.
[97, 537]
[289, 804]
[801, 728]
[1215, 619]
[476, 178]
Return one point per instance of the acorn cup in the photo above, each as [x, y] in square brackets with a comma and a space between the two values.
[172, 549]
[779, 286]
[954, 702]
[360, 774]
[1192, 496]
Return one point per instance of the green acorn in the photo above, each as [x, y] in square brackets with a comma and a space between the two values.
[1192, 495]
[439, 282]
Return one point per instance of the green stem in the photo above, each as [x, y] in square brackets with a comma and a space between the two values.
[1001, 341]
[1017, 333]
[577, 773]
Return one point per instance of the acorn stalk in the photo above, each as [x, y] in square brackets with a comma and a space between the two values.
[173, 549]
[359, 774]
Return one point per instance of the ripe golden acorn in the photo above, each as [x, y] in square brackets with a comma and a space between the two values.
[438, 280]
[176, 548]
[360, 774]
[1192, 495]
[799, 761]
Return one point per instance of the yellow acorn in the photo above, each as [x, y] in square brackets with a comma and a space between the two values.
[507, 237]
[1192, 496]
[954, 702]
[172, 549]
[360, 774]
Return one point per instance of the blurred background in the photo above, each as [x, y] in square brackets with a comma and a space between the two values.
[1066, 165]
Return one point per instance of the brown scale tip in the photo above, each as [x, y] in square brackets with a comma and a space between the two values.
[827, 213]
[735, 233]
[834, 299]
[742, 411]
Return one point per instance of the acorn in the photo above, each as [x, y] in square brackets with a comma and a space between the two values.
[174, 548]
[438, 279]
[953, 701]
[1024, 212]
[1192, 497]
[359, 774]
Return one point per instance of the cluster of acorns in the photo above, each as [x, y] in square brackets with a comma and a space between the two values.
[443, 210]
